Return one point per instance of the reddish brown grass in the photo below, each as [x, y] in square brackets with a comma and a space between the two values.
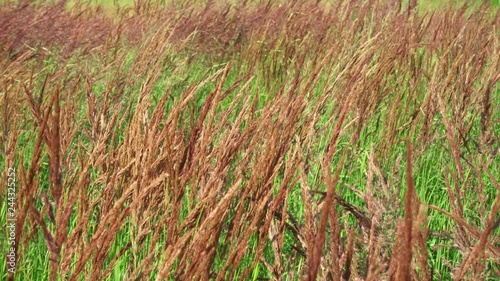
[197, 176]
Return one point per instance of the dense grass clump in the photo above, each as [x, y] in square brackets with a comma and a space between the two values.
[264, 140]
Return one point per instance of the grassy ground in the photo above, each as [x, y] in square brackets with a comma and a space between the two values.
[250, 141]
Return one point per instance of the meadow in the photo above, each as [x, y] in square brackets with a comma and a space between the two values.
[249, 140]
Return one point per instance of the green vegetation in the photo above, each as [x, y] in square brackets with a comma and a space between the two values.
[353, 140]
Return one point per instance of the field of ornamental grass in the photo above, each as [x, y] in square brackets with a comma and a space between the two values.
[249, 140]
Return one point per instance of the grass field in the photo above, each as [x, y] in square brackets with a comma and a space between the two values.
[268, 140]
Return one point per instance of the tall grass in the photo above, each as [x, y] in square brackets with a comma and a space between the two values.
[357, 140]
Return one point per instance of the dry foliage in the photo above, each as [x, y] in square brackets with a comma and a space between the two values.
[116, 164]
